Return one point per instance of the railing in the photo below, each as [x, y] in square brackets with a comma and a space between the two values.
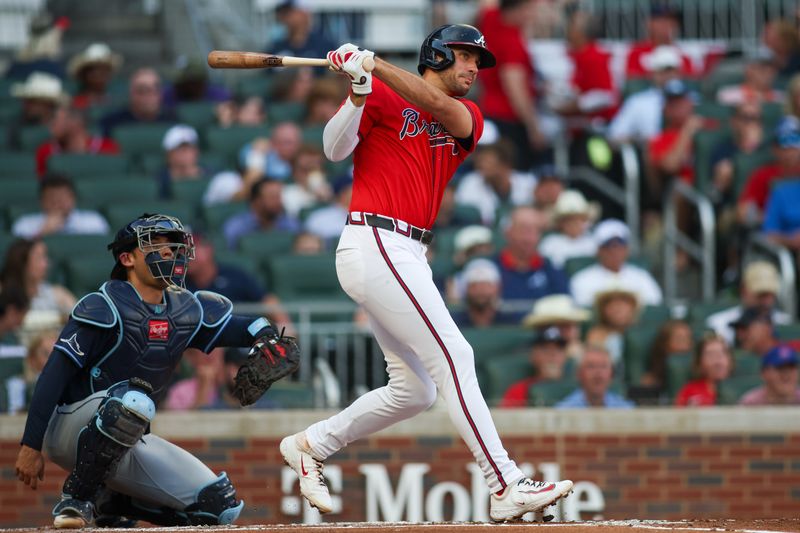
[758, 245]
[703, 251]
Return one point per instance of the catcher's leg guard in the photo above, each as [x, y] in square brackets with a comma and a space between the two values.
[120, 421]
[216, 505]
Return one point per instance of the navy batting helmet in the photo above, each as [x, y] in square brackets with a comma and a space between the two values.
[435, 52]
[139, 233]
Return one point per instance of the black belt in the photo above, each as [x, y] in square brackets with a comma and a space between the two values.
[418, 234]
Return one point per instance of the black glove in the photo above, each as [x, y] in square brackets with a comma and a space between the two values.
[271, 358]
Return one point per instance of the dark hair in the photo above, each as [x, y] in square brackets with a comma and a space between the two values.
[55, 181]
[15, 264]
[503, 149]
[13, 296]
[510, 4]
[255, 190]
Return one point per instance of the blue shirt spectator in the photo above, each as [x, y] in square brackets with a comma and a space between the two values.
[300, 38]
[144, 103]
[782, 217]
[595, 373]
[578, 400]
[266, 213]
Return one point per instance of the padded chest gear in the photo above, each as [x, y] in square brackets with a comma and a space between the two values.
[152, 338]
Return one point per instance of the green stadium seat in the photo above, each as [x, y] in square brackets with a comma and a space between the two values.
[574, 264]
[313, 135]
[121, 214]
[732, 389]
[549, 393]
[243, 261]
[699, 311]
[745, 364]
[197, 114]
[228, 141]
[679, 371]
[152, 164]
[467, 214]
[335, 169]
[771, 114]
[497, 341]
[190, 192]
[305, 277]
[16, 211]
[290, 395]
[101, 193]
[86, 273]
[714, 111]
[638, 346]
[655, 314]
[79, 166]
[286, 112]
[17, 165]
[745, 164]
[216, 215]
[788, 332]
[61, 247]
[5, 241]
[32, 136]
[705, 142]
[263, 245]
[9, 111]
[497, 374]
[258, 85]
[10, 366]
[139, 139]
[19, 191]
[634, 86]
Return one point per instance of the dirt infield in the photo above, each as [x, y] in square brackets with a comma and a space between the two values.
[776, 525]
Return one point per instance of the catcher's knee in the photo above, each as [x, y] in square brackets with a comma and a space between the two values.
[216, 504]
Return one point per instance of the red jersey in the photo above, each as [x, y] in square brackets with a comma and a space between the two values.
[660, 146]
[635, 69]
[591, 73]
[697, 393]
[404, 158]
[94, 145]
[509, 48]
[760, 183]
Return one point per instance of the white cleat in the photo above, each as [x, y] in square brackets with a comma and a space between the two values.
[309, 472]
[526, 496]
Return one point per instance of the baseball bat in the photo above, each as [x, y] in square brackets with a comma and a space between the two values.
[229, 59]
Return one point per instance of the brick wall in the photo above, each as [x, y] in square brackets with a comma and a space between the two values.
[672, 475]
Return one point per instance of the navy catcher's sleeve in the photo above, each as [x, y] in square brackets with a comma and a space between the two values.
[237, 332]
[57, 373]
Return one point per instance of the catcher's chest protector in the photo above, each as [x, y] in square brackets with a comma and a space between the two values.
[152, 338]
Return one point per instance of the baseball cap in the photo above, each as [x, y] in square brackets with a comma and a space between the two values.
[762, 276]
[676, 88]
[610, 231]
[780, 356]
[549, 172]
[787, 133]
[546, 335]
[290, 4]
[481, 269]
[178, 135]
[662, 57]
[751, 315]
[470, 236]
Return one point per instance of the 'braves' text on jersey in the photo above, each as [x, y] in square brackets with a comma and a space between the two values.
[404, 158]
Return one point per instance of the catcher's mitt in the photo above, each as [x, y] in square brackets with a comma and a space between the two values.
[270, 359]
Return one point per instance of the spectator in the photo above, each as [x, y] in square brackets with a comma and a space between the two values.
[525, 274]
[69, 135]
[449, 217]
[572, 238]
[145, 103]
[41, 94]
[20, 388]
[307, 244]
[182, 161]
[760, 287]
[549, 186]
[780, 377]
[26, 265]
[293, 85]
[482, 297]
[674, 337]
[494, 183]
[662, 28]
[781, 37]
[595, 373]
[301, 39]
[756, 190]
[548, 358]
[758, 84]
[616, 310]
[58, 213]
[754, 331]
[14, 305]
[273, 157]
[328, 222]
[793, 97]
[471, 242]
[509, 93]
[192, 85]
[203, 388]
[561, 312]
[266, 213]
[712, 364]
[612, 268]
[309, 185]
[93, 69]
[639, 118]
[323, 101]
[42, 52]
[248, 111]
[782, 219]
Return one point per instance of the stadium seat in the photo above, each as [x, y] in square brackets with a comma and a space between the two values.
[245, 262]
[152, 164]
[655, 314]
[286, 112]
[679, 371]
[16, 211]
[745, 164]
[732, 389]
[574, 264]
[714, 111]
[9, 111]
[197, 114]
[335, 169]
[637, 350]
[101, 193]
[10, 366]
[705, 142]
[228, 141]
[290, 395]
[17, 165]
[79, 166]
[121, 214]
[32, 136]
[19, 191]
[313, 135]
[634, 86]
[549, 393]
[788, 332]
[497, 374]
[5, 241]
[139, 139]
[745, 364]
[216, 215]
[84, 274]
[262, 245]
[190, 192]
[467, 214]
[497, 341]
[62, 248]
[699, 311]
[305, 277]
[257, 85]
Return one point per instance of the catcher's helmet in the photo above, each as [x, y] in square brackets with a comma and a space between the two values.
[139, 234]
[435, 52]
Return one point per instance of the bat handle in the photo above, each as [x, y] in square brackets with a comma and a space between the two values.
[368, 64]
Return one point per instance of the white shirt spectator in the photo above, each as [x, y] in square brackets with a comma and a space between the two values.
[222, 188]
[596, 278]
[473, 190]
[639, 118]
[296, 197]
[721, 320]
[79, 221]
[327, 223]
[558, 247]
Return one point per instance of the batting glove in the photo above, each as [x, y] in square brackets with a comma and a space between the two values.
[337, 57]
[360, 79]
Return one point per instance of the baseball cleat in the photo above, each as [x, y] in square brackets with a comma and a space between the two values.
[526, 496]
[70, 513]
[309, 472]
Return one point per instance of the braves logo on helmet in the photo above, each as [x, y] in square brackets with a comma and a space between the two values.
[436, 51]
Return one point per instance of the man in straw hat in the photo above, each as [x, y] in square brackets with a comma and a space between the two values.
[559, 311]
[93, 69]
[572, 216]
[40, 95]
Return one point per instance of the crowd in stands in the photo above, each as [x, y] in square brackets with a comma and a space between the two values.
[562, 307]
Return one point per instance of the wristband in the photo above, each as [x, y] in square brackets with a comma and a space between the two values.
[257, 325]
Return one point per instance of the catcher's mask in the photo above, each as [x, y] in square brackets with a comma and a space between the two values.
[436, 53]
[167, 261]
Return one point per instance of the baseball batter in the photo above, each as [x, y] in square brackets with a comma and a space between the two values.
[93, 403]
[408, 135]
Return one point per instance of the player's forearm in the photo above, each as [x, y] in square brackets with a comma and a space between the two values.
[412, 88]
[49, 387]
[242, 331]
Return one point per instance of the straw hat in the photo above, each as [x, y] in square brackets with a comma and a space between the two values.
[571, 202]
[41, 86]
[95, 54]
[554, 309]
[613, 291]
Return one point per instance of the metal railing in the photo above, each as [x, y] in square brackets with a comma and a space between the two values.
[704, 251]
[758, 246]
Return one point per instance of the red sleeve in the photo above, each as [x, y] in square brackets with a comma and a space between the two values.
[109, 146]
[42, 155]
[659, 146]
[682, 397]
[516, 395]
[591, 71]
[372, 109]
[634, 67]
[756, 189]
[477, 124]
